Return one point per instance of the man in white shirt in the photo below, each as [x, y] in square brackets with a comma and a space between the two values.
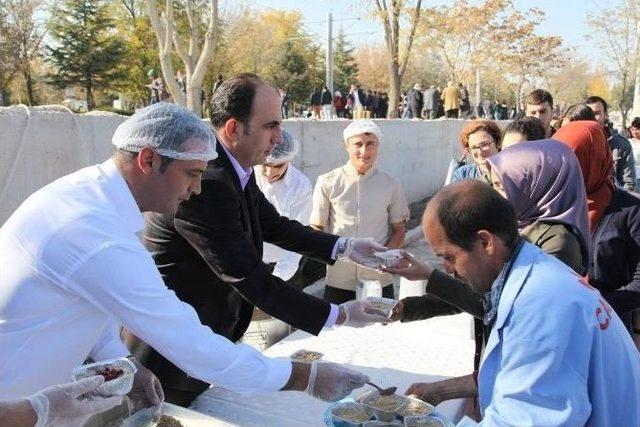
[72, 269]
[357, 199]
[289, 191]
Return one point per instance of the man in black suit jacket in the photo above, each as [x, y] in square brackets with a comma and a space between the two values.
[210, 253]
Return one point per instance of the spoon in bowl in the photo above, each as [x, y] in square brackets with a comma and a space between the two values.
[383, 391]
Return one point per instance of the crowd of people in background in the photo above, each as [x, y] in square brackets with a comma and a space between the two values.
[419, 102]
[546, 207]
[356, 104]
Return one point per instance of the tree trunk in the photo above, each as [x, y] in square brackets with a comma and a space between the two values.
[194, 99]
[169, 41]
[28, 81]
[89, 96]
[394, 91]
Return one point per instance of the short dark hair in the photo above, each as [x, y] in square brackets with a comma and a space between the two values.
[468, 206]
[531, 127]
[234, 99]
[129, 156]
[539, 96]
[636, 123]
[594, 99]
[580, 111]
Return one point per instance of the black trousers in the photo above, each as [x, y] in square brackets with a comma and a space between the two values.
[338, 296]
[451, 114]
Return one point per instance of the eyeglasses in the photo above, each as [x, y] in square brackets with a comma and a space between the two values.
[482, 147]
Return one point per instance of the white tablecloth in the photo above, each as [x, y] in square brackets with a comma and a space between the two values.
[396, 354]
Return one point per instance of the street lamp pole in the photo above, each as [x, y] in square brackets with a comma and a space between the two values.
[329, 59]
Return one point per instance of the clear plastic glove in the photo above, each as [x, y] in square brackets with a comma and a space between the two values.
[146, 390]
[362, 251]
[331, 382]
[59, 405]
[361, 313]
[410, 267]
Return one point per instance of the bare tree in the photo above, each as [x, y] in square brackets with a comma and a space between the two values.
[132, 7]
[523, 55]
[390, 17]
[194, 53]
[27, 37]
[616, 37]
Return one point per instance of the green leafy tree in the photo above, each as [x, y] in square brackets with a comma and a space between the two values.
[134, 27]
[345, 67]
[290, 73]
[85, 51]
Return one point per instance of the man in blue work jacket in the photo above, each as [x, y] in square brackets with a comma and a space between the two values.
[557, 353]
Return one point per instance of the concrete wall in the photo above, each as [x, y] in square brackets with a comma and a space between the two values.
[41, 144]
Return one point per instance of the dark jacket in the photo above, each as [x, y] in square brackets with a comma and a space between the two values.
[327, 99]
[414, 102]
[210, 254]
[615, 270]
[624, 167]
[316, 98]
[447, 295]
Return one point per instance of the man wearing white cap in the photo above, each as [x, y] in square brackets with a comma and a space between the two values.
[72, 268]
[357, 200]
[289, 191]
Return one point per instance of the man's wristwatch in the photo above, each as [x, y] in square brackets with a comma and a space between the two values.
[341, 246]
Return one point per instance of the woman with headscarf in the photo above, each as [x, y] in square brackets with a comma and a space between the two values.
[543, 181]
[614, 218]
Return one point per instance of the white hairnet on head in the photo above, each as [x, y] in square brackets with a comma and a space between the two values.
[170, 129]
[359, 127]
[285, 151]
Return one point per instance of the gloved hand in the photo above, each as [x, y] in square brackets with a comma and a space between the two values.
[361, 251]
[59, 405]
[331, 382]
[146, 390]
[361, 313]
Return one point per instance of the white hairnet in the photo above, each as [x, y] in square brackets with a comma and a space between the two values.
[172, 130]
[285, 151]
[359, 127]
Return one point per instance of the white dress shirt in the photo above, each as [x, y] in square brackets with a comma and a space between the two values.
[72, 269]
[291, 196]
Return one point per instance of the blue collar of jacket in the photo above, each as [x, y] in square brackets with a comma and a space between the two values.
[491, 299]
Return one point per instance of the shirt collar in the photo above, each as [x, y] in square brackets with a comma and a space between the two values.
[351, 171]
[122, 197]
[491, 299]
[243, 174]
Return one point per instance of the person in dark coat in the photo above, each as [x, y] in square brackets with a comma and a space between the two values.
[375, 105]
[384, 106]
[327, 104]
[414, 101]
[210, 253]
[316, 102]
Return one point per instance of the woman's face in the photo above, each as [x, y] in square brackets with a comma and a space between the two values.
[481, 146]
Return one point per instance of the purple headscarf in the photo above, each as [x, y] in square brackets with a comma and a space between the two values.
[543, 181]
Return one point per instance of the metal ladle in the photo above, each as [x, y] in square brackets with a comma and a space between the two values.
[383, 391]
